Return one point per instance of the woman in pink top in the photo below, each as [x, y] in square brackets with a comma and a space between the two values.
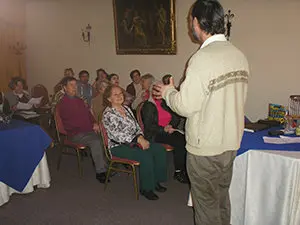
[160, 125]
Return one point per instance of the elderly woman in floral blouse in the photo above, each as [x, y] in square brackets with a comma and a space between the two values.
[126, 140]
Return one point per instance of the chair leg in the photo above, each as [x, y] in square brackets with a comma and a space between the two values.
[79, 162]
[135, 183]
[107, 175]
[59, 157]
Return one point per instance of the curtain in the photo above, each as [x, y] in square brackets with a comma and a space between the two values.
[12, 32]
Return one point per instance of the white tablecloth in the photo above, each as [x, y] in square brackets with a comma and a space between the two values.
[40, 178]
[265, 188]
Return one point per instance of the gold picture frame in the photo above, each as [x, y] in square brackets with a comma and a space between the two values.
[145, 27]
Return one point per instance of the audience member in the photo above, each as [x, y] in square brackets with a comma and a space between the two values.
[84, 89]
[126, 140]
[101, 76]
[68, 72]
[18, 94]
[160, 125]
[143, 95]
[166, 79]
[97, 102]
[81, 126]
[114, 80]
[135, 86]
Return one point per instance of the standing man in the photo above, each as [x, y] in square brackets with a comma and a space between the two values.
[212, 97]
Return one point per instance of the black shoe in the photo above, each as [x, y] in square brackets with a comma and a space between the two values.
[160, 188]
[101, 177]
[150, 195]
[182, 177]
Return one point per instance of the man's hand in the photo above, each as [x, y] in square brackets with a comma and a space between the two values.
[143, 142]
[159, 89]
[169, 129]
[96, 128]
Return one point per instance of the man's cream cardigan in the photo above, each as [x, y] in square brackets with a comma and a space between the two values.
[212, 97]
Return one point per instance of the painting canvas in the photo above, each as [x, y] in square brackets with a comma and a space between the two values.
[145, 27]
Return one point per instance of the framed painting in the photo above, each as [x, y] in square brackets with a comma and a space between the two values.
[145, 27]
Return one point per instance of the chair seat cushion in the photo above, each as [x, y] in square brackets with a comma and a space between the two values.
[168, 147]
[128, 161]
[74, 145]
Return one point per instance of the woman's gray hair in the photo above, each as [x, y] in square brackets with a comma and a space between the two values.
[148, 76]
[152, 80]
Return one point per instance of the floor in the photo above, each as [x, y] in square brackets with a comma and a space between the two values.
[72, 200]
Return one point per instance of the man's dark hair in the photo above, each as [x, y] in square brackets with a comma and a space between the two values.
[166, 79]
[64, 82]
[100, 70]
[82, 72]
[110, 76]
[133, 72]
[210, 15]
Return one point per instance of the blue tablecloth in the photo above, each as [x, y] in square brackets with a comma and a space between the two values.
[22, 146]
[255, 141]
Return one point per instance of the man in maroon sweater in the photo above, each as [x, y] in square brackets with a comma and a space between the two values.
[81, 126]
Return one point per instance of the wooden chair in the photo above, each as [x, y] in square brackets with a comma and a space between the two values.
[65, 143]
[113, 161]
[40, 90]
[140, 121]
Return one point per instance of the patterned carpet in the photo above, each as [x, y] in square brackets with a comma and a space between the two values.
[82, 201]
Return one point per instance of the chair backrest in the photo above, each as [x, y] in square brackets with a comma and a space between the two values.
[40, 90]
[1, 98]
[104, 137]
[58, 123]
[139, 115]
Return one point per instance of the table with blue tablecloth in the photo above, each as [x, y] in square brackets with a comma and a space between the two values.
[265, 188]
[255, 141]
[22, 155]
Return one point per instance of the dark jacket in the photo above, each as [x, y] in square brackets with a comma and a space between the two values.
[149, 115]
[131, 90]
[6, 108]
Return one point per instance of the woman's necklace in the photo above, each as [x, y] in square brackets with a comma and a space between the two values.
[122, 111]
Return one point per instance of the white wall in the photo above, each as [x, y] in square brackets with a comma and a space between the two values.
[266, 31]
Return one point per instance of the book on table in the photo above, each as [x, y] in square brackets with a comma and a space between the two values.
[254, 127]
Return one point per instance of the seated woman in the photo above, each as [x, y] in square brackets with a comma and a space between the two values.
[18, 94]
[182, 120]
[159, 126]
[143, 95]
[101, 76]
[114, 80]
[126, 140]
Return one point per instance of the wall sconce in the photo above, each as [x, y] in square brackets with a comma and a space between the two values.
[18, 48]
[228, 18]
[86, 34]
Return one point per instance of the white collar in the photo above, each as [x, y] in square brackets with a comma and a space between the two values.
[216, 37]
